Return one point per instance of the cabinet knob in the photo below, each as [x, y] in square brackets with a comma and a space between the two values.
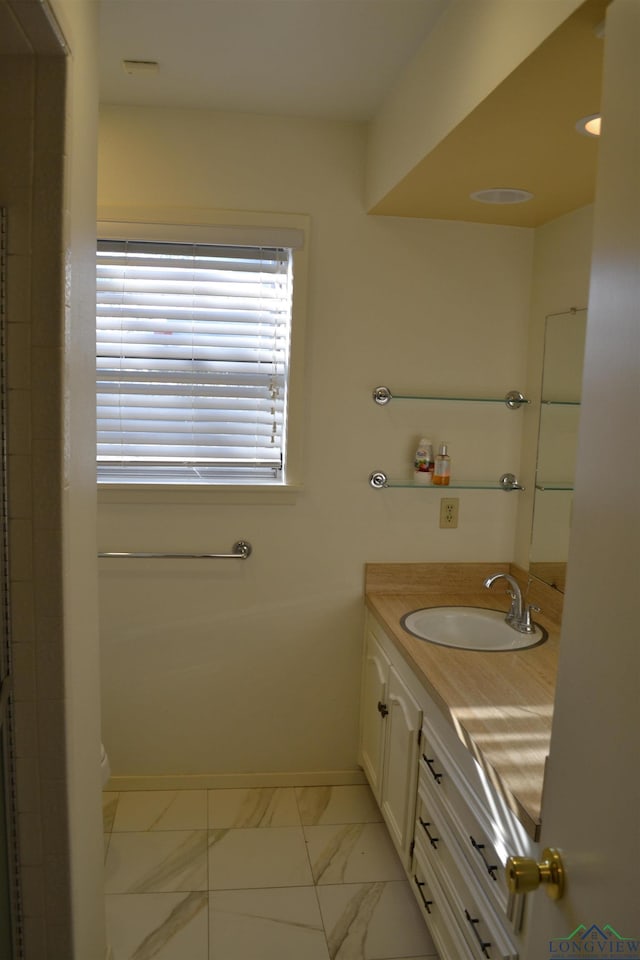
[383, 710]
[525, 875]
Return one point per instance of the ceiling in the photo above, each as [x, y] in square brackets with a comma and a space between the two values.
[306, 58]
[338, 59]
[522, 136]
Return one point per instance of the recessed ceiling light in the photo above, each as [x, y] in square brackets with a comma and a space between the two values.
[590, 126]
[501, 195]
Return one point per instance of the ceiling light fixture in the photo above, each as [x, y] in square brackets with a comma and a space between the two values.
[501, 195]
[590, 126]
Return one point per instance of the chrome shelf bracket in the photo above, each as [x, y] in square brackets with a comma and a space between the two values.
[514, 399]
[378, 480]
[382, 395]
[509, 482]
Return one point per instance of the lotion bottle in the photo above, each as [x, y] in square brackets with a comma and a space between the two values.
[423, 463]
[442, 468]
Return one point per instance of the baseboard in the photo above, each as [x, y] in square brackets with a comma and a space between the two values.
[217, 781]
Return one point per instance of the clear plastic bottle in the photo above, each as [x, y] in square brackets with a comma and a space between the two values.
[442, 468]
[423, 463]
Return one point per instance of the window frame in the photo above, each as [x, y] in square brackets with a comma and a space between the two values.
[229, 227]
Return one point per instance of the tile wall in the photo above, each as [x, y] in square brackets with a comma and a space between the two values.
[31, 117]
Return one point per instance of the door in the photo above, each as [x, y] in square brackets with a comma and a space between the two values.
[400, 766]
[591, 807]
[373, 710]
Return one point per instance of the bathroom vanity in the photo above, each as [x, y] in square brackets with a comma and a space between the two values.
[453, 744]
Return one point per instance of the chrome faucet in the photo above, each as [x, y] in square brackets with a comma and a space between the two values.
[519, 615]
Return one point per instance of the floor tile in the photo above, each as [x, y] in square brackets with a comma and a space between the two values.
[272, 924]
[243, 889]
[158, 926]
[353, 853]
[265, 807]
[327, 805]
[373, 921]
[240, 859]
[161, 810]
[156, 862]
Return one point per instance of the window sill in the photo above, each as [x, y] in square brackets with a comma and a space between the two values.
[196, 494]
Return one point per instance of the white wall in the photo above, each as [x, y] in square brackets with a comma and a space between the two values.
[255, 666]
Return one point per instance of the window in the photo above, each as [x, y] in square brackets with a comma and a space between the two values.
[193, 360]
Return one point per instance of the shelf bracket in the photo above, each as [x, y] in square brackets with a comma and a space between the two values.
[509, 482]
[382, 395]
[514, 399]
[378, 480]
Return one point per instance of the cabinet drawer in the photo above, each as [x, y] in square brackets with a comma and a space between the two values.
[442, 925]
[483, 844]
[486, 858]
[475, 920]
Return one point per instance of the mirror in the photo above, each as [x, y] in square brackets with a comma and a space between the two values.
[564, 340]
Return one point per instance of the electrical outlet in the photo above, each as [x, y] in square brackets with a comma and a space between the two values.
[449, 513]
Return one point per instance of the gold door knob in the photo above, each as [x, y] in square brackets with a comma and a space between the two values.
[525, 875]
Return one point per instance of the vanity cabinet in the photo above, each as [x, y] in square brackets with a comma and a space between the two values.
[390, 728]
[450, 824]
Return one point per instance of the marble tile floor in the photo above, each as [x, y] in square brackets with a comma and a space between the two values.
[305, 873]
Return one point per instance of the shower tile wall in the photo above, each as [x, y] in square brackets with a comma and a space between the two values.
[31, 94]
[266, 874]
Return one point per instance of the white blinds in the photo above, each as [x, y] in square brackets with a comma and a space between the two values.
[192, 361]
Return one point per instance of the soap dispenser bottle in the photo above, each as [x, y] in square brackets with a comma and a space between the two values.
[442, 468]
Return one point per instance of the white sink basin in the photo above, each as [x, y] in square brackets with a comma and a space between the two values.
[469, 628]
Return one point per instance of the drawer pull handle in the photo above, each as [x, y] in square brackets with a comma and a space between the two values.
[492, 868]
[434, 773]
[483, 944]
[383, 710]
[420, 884]
[432, 840]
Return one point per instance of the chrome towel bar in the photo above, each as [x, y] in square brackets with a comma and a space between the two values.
[242, 549]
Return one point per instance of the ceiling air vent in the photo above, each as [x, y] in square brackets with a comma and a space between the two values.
[138, 67]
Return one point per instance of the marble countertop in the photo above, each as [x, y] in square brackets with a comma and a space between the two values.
[499, 703]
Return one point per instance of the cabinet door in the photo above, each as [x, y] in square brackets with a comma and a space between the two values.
[372, 713]
[400, 765]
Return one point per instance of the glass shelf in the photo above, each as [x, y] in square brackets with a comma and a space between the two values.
[513, 399]
[560, 403]
[507, 482]
[554, 485]
[467, 485]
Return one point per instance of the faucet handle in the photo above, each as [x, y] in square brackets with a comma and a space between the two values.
[526, 617]
[514, 612]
